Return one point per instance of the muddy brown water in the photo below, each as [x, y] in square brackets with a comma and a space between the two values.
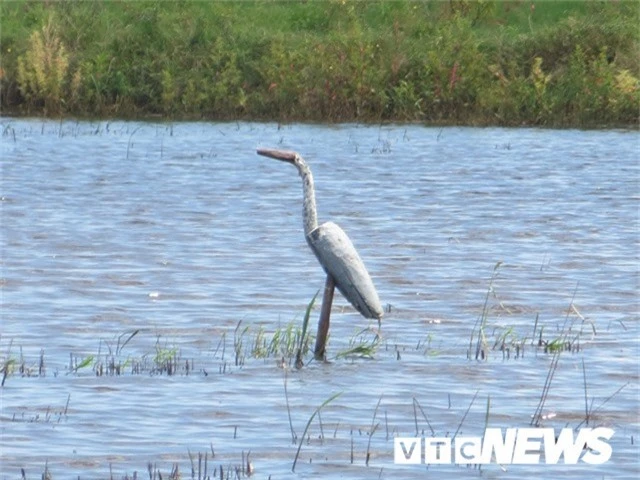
[181, 233]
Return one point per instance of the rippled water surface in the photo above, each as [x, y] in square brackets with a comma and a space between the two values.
[181, 233]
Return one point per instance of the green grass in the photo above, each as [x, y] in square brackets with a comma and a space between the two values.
[560, 63]
[489, 334]
[363, 344]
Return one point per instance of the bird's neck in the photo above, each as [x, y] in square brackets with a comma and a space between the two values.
[309, 215]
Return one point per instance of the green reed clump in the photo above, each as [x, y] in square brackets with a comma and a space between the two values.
[363, 344]
[283, 342]
[509, 63]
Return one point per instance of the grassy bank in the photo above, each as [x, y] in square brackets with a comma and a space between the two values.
[458, 62]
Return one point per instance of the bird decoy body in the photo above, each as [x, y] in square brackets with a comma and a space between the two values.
[339, 258]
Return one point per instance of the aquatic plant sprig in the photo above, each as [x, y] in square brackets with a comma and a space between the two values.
[305, 325]
[306, 428]
[481, 348]
[361, 347]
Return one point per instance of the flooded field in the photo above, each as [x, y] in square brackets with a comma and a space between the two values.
[155, 278]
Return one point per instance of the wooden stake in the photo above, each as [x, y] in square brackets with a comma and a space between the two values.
[325, 314]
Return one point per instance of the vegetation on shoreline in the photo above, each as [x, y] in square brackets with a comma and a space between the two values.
[457, 62]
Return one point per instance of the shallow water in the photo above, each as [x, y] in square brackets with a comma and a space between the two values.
[180, 232]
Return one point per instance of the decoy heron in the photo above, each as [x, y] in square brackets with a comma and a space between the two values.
[336, 254]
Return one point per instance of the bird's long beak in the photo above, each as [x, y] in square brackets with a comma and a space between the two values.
[284, 155]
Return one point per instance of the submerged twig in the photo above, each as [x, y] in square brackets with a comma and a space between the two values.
[465, 415]
[593, 411]
[416, 403]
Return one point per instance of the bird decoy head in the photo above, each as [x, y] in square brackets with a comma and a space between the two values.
[283, 155]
